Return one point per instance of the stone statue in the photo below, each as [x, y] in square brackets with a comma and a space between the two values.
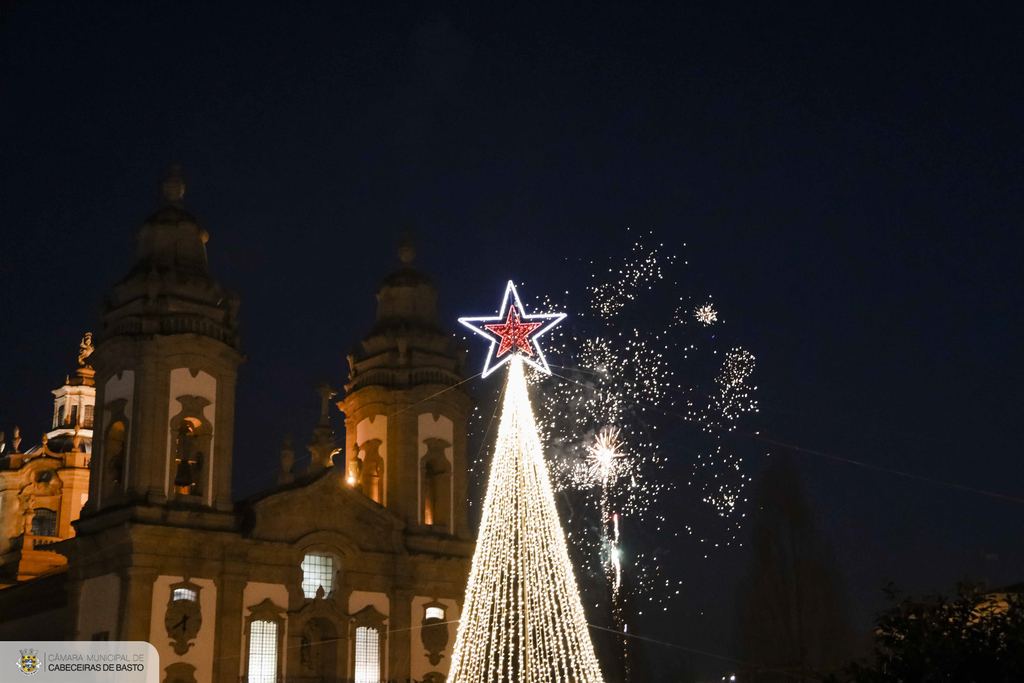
[287, 461]
[85, 348]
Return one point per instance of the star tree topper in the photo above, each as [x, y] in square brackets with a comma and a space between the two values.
[513, 332]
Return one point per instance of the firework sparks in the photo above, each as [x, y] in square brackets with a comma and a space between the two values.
[622, 362]
[706, 314]
[735, 397]
[604, 456]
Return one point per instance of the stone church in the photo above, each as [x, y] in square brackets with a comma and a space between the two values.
[122, 526]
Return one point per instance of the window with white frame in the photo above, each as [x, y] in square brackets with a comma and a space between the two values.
[317, 571]
[262, 652]
[185, 594]
[367, 655]
[435, 613]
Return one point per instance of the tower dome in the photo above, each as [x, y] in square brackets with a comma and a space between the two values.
[168, 289]
[407, 297]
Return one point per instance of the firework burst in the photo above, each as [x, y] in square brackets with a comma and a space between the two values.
[706, 314]
[633, 362]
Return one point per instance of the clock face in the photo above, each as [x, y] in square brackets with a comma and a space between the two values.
[183, 621]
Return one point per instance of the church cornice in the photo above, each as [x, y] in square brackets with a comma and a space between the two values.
[148, 325]
[403, 378]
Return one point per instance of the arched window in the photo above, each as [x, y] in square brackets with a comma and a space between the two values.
[74, 416]
[262, 651]
[367, 655]
[60, 416]
[317, 571]
[264, 638]
[89, 410]
[44, 522]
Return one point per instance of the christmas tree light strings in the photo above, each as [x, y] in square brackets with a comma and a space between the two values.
[523, 620]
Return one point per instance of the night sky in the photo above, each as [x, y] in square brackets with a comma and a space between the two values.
[847, 181]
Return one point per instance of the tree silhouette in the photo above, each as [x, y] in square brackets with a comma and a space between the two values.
[972, 637]
[793, 622]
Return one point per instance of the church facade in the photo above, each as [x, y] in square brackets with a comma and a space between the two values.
[353, 570]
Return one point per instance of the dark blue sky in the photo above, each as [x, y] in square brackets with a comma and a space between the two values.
[847, 180]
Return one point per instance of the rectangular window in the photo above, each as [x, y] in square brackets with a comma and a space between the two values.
[185, 594]
[317, 570]
[262, 652]
[74, 416]
[367, 655]
[44, 522]
[88, 417]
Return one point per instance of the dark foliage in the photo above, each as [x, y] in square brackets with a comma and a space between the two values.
[972, 636]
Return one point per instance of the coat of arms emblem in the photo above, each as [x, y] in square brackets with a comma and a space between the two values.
[28, 663]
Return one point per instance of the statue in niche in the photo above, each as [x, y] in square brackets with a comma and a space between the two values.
[372, 470]
[435, 483]
[191, 438]
[115, 443]
[190, 460]
[306, 652]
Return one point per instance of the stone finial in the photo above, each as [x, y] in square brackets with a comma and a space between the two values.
[287, 461]
[406, 248]
[2, 442]
[77, 440]
[173, 185]
[326, 391]
[85, 348]
[16, 441]
[322, 447]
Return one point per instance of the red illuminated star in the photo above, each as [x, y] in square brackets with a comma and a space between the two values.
[513, 333]
[513, 330]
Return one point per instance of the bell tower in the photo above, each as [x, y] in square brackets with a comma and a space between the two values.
[405, 414]
[166, 361]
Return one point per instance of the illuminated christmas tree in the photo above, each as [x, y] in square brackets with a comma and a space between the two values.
[523, 621]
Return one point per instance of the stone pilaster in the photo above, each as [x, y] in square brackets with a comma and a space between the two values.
[227, 657]
[400, 625]
[136, 603]
[224, 440]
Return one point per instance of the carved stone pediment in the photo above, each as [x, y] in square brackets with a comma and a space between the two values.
[326, 504]
[370, 617]
[318, 609]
